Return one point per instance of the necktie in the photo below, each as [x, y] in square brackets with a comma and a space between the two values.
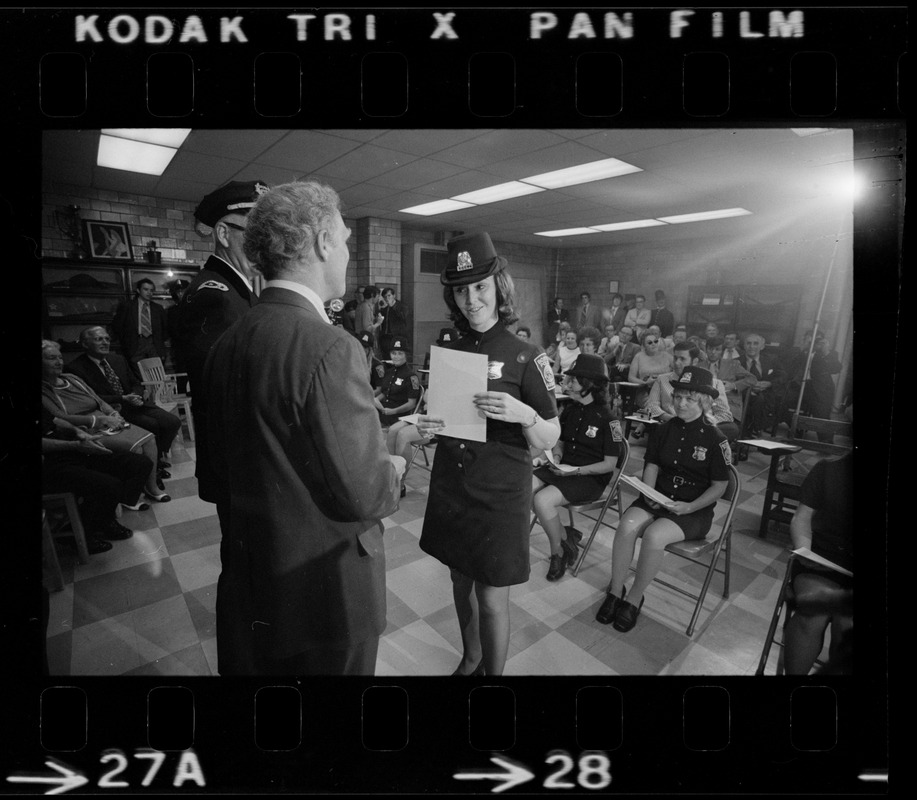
[146, 324]
[582, 321]
[113, 381]
[754, 368]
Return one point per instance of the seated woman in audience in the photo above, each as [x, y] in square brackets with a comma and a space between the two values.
[588, 340]
[590, 441]
[566, 353]
[397, 393]
[524, 333]
[75, 461]
[647, 365]
[67, 397]
[823, 523]
[686, 460]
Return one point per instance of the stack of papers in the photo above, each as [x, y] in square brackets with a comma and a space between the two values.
[648, 491]
[554, 462]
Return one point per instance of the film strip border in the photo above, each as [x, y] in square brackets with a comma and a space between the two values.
[504, 67]
[387, 736]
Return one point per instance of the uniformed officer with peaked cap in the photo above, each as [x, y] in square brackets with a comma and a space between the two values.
[218, 295]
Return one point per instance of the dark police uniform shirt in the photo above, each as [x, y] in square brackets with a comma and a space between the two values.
[690, 456]
[480, 496]
[828, 490]
[376, 372]
[398, 385]
[589, 433]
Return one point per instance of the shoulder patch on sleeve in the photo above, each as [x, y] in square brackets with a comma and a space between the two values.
[380, 371]
[727, 451]
[547, 374]
[415, 384]
[213, 285]
[523, 357]
[617, 434]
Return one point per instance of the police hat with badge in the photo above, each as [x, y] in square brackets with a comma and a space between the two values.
[399, 343]
[591, 367]
[471, 257]
[235, 197]
[447, 336]
[696, 379]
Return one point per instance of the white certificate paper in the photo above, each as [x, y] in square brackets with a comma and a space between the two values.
[455, 378]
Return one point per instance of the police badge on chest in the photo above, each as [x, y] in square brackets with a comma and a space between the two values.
[699, 454]
[494, 370]
[591, 431]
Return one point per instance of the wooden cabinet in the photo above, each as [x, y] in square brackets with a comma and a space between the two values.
[78, 294]
[770, 310]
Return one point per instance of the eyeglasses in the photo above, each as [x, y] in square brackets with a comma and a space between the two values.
[651, 341]
[233, 225]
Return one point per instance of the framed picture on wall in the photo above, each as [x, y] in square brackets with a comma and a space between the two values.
[613, 287]
[108, 240]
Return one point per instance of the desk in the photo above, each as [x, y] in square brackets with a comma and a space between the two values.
[778, 491]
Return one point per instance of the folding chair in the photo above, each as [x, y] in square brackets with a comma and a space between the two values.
[164, 389]
[420, 445]
[611, 495]
[785, 601]
[698, 551]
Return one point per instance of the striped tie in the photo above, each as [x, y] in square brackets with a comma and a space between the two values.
[146, 324]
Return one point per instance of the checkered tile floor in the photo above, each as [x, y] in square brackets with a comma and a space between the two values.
[146, 607]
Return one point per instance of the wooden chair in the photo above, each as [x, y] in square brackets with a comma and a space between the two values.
[784, 486]
[164, 392]
[57, 525]
[707, 552]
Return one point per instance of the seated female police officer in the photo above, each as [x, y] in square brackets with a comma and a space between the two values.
[396, 394]
[589, 440]
[687, 460]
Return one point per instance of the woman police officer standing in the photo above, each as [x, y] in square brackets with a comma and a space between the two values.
[477, 519]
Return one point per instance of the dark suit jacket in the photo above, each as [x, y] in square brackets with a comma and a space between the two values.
[85, 368]
[216, 298]
[665, 319]
[296, 446]
[770, 369]
[125, 325]
[554, 318]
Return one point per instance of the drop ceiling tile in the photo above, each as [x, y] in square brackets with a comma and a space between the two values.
[307, 151]
[367, 163]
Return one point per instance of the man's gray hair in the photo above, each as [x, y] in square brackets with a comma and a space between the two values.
[283, 225]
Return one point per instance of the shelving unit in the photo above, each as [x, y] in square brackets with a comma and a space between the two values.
[770, 310]
[80, 293]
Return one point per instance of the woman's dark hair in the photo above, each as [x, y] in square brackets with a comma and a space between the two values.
[589, 333]
[506, 302]
[524, 328]
[598, 390]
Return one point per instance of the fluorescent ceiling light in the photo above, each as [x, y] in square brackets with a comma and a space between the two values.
[567, 232]
[169, 137]
[502, 191]
[809, 131]
[584, 173]
[132, 156]
[704, 215]
[436, 207]
[626, 226]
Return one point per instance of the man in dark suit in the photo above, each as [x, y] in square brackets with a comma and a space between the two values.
[218, 295]
[304, 466]
[770, 379]
[587, 314]
[394, 320]
[556, 314]
[110, 377]
[140, 325]
[661, 315]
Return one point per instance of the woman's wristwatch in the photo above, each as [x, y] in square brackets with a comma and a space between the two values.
[533, 423]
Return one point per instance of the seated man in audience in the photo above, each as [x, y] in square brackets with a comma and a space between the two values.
[680, 334]
[731, 346]
[109, 376]
[823, 523]
[73, 461]
[711, 331]
[589, 340]
[735, 378]
[661, 407]
[609, 341]
[619, 359]
[770, 379]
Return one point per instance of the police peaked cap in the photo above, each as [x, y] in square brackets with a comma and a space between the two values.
[399, 343]
[236, 197]
[471, 258]
[589, 366]
[696, 379]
